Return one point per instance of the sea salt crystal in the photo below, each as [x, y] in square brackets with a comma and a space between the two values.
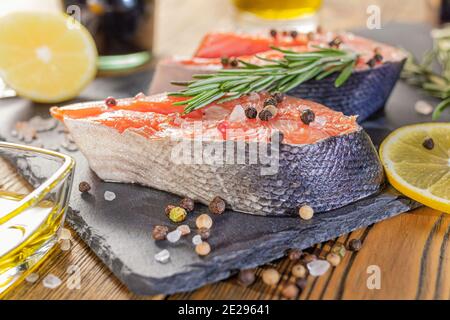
[32, 278]
[174, 236]
[253, 97]
[65, 234]
[238, 114]
[51, 281]
[43, 124]
[423, 107]
[318, 267]
[184, 229]
[109, 195]
[65, 245]
[321, 121]
[196, 240]
[163, 256]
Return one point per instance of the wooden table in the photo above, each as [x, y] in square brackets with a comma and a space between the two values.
[412, 250]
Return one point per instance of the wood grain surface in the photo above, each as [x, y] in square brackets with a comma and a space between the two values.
[412, 250]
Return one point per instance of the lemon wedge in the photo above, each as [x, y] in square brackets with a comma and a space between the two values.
[416, 159]
[45, 57]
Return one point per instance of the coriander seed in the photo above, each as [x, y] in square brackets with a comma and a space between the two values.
[299, 271]
[290, 291]
[203, 248]
[270, 276]
[204, 221]
[334, 259]
[306, 212]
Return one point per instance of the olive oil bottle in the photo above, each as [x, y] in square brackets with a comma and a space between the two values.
[300, 15]
[286, 9]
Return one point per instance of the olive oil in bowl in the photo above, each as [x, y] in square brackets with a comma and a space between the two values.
[29, 223]
[25, 238]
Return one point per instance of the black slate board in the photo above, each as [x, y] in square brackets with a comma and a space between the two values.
[119, 231]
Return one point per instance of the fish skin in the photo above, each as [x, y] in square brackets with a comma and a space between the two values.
[364, 93]
[325, 175]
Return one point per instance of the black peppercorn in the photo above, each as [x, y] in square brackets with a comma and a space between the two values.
[279, 96]
[284, 33]
[217, 205]
[294, 254]
[294, 34]
[378, 57]
[204, 233]
[168, 208]
[246, 277]
[335, 43]
[84, 187]
[110, 102]
[251, 113]
[354, 245]
[273, 33]
[225, 61]
[372, 62]
[159, 232]
[428, 144]
[234, 63]
[307, 116]
[265, 115]
[187, 204]
[270, 102]
[301, 283]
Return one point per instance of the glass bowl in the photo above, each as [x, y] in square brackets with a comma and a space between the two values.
[35, 186]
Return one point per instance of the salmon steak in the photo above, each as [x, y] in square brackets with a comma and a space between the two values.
[364, 94]
[305, 154]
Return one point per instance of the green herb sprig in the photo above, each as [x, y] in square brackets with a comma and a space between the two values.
[432, 74]
[280, 75]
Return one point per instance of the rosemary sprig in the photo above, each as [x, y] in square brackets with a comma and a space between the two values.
[281, 75]
[432, 74]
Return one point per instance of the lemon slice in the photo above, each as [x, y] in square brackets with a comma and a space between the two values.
[419, 172]
[46, 57]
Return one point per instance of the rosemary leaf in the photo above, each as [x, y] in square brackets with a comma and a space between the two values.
[303, 77]
[345, 74]
[282, 75]
[440, 108]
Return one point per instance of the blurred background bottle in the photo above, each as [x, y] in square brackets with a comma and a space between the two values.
[445, 11]
[122, 30]
[300, 15]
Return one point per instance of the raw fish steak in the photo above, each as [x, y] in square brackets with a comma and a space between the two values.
[258, 166]
[366, 91]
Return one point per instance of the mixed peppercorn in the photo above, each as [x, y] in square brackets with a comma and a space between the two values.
[178, 214]
[304, 265]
